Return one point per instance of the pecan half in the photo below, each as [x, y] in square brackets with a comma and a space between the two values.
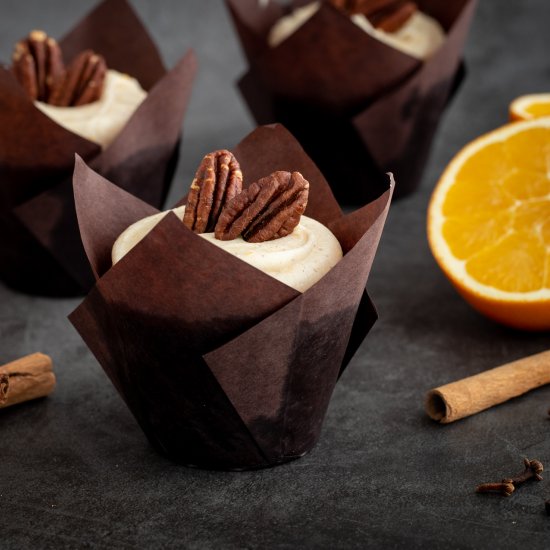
[37, 63]
[269, 209]
[217, 181]
[83, 82]
[392, 19]
[366, 7]
[387, 15]
[342, 5]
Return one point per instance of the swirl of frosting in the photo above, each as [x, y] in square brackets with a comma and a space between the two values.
[298, 260]
[102, 120]
[419, 37]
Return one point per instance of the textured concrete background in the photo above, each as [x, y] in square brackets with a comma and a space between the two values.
[76, 470]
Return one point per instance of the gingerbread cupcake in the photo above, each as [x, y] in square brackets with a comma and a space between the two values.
[225, 323]
[101, 91]
[368, 78]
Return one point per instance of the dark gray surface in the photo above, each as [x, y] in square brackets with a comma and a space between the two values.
[77, 471]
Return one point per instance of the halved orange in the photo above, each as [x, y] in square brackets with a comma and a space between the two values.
[528, 107]
[489, 224]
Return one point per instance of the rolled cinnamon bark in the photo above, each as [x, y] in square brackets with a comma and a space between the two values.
[26, 378]
[4, 387]
[477, 393]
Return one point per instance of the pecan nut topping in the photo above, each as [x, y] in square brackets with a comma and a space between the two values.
[393, 18]
[37, 63]
[366, 7]
[217, 181]
[269, 209]
[83, 81]
[386, 15]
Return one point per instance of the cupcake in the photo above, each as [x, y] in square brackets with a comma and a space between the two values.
[101, 91]
[225, 323]
[86, 98]
[401, 25]
[369, 78]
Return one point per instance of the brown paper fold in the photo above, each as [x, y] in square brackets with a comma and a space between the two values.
[222, 365]
[38, 227]
[359, 107]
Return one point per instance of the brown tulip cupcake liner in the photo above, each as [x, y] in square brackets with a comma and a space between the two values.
[222, 365]
[40, 247]
[359, 107]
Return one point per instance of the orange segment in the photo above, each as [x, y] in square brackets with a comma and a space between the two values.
[529, 151]
[528, 107]
[531, 216]
[522, 185]
[545, 234]
[486, 165]
[469, 198]
[514, 264]
[489, 224]
[468, 235]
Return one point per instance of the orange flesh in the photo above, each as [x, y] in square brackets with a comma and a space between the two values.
[496, 219]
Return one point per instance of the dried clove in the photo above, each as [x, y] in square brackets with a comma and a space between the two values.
[504, 488]
[533, 469]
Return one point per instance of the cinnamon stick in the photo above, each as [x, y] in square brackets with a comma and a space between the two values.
[486, 389]
[26, 378]
[4, 387]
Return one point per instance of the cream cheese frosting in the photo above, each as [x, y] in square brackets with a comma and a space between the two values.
[102, 120]
[289, 24]
[298, 260]
[419, 37]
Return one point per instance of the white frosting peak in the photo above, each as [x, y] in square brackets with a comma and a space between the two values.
[102, 120]
[419, 37]
[298, 260]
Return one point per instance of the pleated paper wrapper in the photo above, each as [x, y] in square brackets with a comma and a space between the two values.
[222, 365]
[338, 89]
[40, 248]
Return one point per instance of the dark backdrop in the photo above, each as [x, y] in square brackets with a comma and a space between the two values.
[76, 470]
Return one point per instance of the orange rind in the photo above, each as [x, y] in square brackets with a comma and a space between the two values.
[489, 224]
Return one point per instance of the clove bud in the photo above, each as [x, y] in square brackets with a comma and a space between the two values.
[504, 488]
[533, 470]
